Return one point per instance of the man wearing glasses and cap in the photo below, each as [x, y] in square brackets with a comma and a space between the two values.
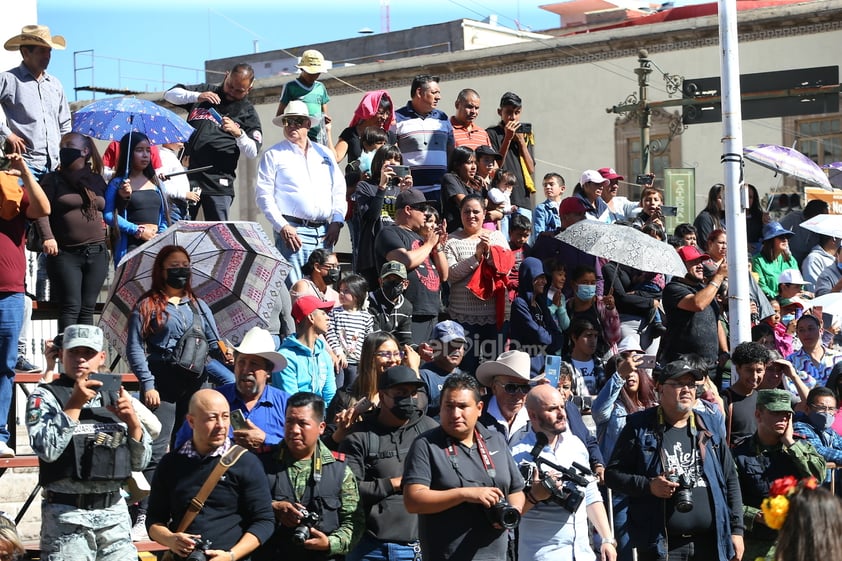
[683, 490]
[301, 190]
[448, 345]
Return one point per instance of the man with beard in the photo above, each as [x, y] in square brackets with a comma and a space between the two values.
[226, 126]
[691, 310]
[261, 404]
[546, 530]
[375, 451]
[684, 495]
[465, 130]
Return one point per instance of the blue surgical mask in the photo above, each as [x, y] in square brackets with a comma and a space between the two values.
[586, 291]
[365, 161]
[787, 318]
[821, 420]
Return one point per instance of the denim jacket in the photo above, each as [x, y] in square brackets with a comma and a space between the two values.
[609, 414]
[637, 459]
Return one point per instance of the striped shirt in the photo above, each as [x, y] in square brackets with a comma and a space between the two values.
[424, 143]
[471, 135]
[348, 329]
[465, 307]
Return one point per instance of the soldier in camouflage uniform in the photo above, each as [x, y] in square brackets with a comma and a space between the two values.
[306, 477]
[87, 443]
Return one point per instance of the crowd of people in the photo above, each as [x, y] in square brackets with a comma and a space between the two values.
[471, 387]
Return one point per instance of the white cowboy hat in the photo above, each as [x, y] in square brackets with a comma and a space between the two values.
[511, 363]
[295, 108]
[259, 342]
[35, 35]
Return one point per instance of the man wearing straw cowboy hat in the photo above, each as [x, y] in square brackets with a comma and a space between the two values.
[33, 101]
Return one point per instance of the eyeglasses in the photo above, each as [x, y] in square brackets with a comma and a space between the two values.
[514, 389]
[389, 354]
[682, 385]
[824, 408]
[297, 122]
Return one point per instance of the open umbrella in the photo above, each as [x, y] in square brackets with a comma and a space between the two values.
[830, 303]
[624, 245]
[789, 161]
[825, 224]
[112, 118]
[235, 268]
[834, 173]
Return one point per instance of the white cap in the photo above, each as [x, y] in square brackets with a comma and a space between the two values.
[592, 176]
[791, 276]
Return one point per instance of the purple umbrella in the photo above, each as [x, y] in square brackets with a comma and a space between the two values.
[834, 173]
[789, 161]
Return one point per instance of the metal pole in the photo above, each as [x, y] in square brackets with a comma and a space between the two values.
[736, 197]
[643, 72]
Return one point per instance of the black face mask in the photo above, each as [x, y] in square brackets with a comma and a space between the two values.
[393, 289]
[177, 277]
[332, 276]
[404, 407]
[68, 155]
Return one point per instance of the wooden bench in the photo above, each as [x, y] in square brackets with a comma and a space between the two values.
[145, 549]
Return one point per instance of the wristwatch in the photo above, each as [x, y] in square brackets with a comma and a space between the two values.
[610, 541]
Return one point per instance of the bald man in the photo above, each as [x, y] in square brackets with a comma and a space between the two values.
[237, 516]
[544, 529]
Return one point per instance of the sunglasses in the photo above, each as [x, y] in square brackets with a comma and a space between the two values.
[514, 389]
[297, 122]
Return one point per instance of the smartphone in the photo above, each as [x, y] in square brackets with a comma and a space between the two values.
[400, 171]
[238, 420]
[669, 211]
[215, 114]
[645, 179]
[552, 368]
[110, 384]
[648, 361]
[525, 128]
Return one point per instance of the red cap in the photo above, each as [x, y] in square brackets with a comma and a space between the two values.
[306, 305]
[691, 253]
[572, 205]
[609, 173]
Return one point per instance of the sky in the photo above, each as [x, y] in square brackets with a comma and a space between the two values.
[181, 34]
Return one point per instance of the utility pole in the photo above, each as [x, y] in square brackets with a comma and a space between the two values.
[645, 114]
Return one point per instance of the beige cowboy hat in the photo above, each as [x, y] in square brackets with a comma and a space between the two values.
[295, 108]
[511, 363]
[37, 36]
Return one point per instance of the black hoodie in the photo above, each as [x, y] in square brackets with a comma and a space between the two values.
[532, 324]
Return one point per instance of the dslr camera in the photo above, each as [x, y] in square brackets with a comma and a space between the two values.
[309, 519]
[503, 514]
[198, 553]
[564, 492]
[683, 497]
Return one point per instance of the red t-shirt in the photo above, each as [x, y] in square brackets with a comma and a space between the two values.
[12, 260]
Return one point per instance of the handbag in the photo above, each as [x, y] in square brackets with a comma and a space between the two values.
[190, 354]
[227, 460]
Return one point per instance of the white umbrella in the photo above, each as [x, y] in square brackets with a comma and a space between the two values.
[825, 224]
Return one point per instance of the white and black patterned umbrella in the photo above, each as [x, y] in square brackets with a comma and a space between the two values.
[624, 245]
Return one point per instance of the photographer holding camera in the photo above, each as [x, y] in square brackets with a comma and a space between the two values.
[684, 494]
[462, 481]
[318, 514]
[554, 523]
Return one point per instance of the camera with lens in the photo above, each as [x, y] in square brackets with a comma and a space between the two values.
[683, 497]
[503, 514]
[565, 486]
[198, 553]
[309, 519]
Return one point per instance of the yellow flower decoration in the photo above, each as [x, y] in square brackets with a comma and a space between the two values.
[775, 510]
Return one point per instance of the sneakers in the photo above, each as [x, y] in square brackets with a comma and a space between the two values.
[139, 529]
[6, 451]
[25, 367]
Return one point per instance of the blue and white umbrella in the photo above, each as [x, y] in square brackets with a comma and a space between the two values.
[112, 118]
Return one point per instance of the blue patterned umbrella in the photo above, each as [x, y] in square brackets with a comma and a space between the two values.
[112, 118]
[789, 161]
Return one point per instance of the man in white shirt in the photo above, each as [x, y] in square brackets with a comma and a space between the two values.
[301, 190]
[548, 528]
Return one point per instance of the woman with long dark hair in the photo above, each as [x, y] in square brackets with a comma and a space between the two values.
[160, 318]
[458, 182]
[711, 217]
[74, 233]
[773, 259]
[135, 202]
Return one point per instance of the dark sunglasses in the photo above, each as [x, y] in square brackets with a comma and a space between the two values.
[514, 389]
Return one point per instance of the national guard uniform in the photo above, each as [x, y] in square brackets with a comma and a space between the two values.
[82, 467]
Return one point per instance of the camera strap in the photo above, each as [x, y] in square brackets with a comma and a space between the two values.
[227, 460]
[313, 480]
[484, 455]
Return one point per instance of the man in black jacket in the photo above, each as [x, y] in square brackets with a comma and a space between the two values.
[375, 451]
[391, 309]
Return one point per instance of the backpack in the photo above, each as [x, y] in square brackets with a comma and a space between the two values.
[191, 352]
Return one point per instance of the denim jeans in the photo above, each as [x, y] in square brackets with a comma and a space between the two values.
[11, 321]
[311, 239]
[76, 277]
[372, 549]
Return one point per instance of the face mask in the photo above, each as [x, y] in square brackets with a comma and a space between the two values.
[177, 277]
[393, 289]
[404, 407]
[332, 276]
[68, 155]
[787, 318]
[586, 291]
[365, 161]
[821, 420]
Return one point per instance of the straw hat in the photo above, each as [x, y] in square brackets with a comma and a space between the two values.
[37, 36]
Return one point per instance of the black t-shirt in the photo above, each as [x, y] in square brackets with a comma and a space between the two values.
[451, 186]
[682, 457]
[355, 147]
[424, 282]
[688, 332]
[512, 163]
[739, 414]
